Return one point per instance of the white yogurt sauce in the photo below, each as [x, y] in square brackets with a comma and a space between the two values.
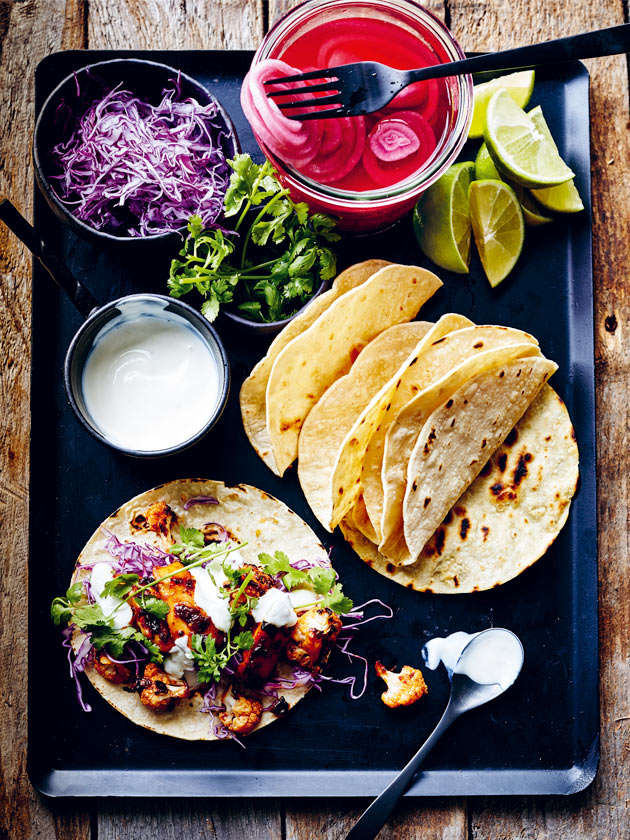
[150, 381]
[496, 657]
[179, 659]
[208, 599]
[301, 597]
[275, 608]
[101, 574]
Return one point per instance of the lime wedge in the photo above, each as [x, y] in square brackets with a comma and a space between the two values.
[497, 223]
[441, 219]
[484, 165]
[561, 199]
[532, 213]
[519, 85]
[519, 149]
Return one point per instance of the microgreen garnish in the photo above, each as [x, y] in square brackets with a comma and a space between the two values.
[120, 586]
[211, 661]
[154, 606]
[290, 249]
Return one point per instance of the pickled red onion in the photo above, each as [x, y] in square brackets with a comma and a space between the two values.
[295, 142]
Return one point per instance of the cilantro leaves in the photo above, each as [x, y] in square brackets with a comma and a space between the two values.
[321, 579]
[211, 661]
[290, 255]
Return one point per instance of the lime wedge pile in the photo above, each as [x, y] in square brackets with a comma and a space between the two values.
[518, 178]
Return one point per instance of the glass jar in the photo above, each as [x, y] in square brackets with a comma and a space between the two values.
[375, 209]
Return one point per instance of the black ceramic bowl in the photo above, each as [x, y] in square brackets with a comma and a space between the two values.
[71, 98]
[82, 344]
[267, 327]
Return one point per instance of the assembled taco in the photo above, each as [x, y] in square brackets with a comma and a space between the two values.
[202, 611]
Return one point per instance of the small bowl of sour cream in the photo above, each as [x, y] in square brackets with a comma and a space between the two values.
[147, 375]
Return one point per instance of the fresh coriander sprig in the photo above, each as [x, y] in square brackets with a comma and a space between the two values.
[321, 579]
[211, 661]
[291, 249]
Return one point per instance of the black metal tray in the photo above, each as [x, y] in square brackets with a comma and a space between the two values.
[541, 737]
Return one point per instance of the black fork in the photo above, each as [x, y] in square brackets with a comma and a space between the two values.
[368, 86]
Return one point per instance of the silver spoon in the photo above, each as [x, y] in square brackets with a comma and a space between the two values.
[466, 694]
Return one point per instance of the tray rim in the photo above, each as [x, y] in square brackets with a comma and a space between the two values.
[293, 784]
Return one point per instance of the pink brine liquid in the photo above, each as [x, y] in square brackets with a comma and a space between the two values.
[386, 147]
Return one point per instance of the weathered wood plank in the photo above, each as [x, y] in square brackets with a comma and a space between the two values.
[180, 820]
[174, 25]
[28, 31]
[433, 819]
[603, 811]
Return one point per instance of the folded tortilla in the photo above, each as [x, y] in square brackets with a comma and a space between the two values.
[453, 340]
[508, 517]
[403, 434]
[314, 360]
[335, 413]
[252, 395]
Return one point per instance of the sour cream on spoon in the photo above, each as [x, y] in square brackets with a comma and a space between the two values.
[495, 658]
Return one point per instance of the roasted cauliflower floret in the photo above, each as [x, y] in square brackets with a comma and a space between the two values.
[112, 671]
[159, 518]
[312, 637]
[402, 689]
[160, 691]
[244, 715]
[260, 582]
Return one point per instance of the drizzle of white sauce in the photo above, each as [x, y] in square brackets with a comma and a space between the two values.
[150, 380]
[101, 574]
[208, 595]
[495, 658]
[275, 608]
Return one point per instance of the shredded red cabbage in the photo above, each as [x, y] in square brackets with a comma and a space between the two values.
[137, 653]
[212, 706]
[137, 169]
[132, 556]
[300, 565]
[200, 500]
[77, 662]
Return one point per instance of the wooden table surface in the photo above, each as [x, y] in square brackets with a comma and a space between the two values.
[30, 30]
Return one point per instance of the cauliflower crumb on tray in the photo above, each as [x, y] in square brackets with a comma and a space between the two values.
[404, 688]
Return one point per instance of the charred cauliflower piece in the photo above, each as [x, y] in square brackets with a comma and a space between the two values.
[244, 715]
[159, 518]
[260, 583]
[112, 671]
[184, 617]
[160, 691]
[313, 637]
[402, 689]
